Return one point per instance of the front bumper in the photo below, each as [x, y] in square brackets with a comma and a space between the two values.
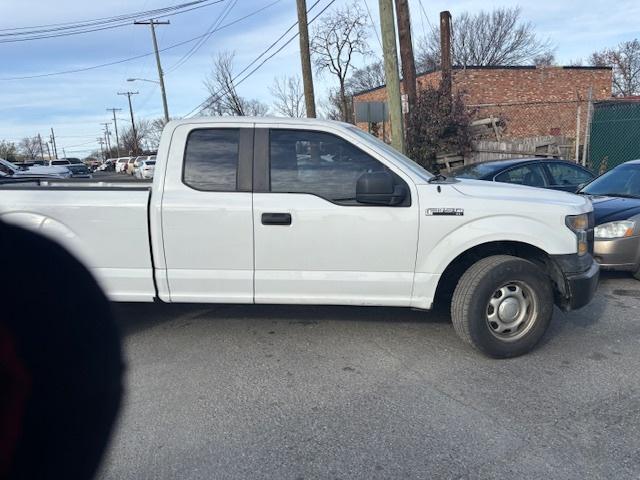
[582, 286]
[618, 253]
[580, 275]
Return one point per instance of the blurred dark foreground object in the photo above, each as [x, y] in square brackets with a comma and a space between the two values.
[60, 362]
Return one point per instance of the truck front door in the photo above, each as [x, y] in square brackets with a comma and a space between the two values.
[314, 242]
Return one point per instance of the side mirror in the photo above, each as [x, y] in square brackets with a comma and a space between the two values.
[581, 186]
[378, 188]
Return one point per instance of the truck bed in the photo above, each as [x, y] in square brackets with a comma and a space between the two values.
[104, 224]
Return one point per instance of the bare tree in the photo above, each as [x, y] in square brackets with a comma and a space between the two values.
[288, 96]
[155, 132]
[8, 150]
[546, 59]
[365, 78]
[29, 147]
[330, 107]
[625, 60]
[131, 143]
[336, 40]
[223, 96]
[498, 37]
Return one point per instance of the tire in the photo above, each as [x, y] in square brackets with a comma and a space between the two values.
[502, 306]
[636, 275]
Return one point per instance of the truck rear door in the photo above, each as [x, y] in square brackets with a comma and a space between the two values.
[207, 223]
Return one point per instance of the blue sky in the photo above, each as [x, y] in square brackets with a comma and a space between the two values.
[74, 104]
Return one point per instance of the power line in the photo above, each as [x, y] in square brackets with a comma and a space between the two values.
[212, 29]
[135, 14]
[209, 101]
[97, 26]
[375, 30]
[130, 59]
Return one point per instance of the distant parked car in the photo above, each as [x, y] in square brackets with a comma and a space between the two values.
[121, 164]
[534, 172]
[131, 165]
[616, 207]
[146, 168]
[11, 170]
[76, 166]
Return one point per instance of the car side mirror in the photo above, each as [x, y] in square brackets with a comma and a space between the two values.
[581, 186]
[379, 188]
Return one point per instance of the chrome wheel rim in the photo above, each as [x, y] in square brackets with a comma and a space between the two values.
[512, 311]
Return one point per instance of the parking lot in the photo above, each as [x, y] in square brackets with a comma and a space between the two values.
[341, 392]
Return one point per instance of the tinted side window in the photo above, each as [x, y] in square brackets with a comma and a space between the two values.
[531, 175]
[211, 159]
[318, 163]
[567, 174]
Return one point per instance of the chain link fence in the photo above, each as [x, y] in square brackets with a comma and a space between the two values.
[615, 133]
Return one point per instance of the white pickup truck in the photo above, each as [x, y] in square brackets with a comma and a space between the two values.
[287, 211]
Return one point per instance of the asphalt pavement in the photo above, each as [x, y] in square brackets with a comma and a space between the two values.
[288, 392]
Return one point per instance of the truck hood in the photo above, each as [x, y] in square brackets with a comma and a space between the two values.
[519, 193]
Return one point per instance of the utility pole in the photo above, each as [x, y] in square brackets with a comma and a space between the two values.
[406, 53]
[133, 123]
[41, 150]
[53, 142]
[305, 59]
[153, 23]
[445, 51]
[48, 150]
[100, 140]
[107, 135]
[387, 26]
[115, 126]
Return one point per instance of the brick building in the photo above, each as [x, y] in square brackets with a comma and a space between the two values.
[530, 101]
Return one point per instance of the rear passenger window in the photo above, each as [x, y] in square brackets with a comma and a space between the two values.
[567, 174]
[531, 175]
[211, 159]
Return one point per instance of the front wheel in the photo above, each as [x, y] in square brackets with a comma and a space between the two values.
[502, 306]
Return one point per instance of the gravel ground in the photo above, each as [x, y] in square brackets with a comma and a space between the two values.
[244, 392]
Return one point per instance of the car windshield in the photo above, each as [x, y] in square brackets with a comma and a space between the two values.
[7, 168]
[622, 181]
[150, 162]
[479, 170]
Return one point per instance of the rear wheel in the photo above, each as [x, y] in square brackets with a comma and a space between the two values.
[636, 275]
[502, 306]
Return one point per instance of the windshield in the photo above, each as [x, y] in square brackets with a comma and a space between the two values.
[406, 161]
[150, 162]
[622, 181]
[479, 170]
[6, 167]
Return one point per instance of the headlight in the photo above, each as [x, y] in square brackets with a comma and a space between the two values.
[579, 224]
[620, 229]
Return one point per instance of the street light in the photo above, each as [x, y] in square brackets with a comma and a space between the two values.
[143, 80]
[164, 95]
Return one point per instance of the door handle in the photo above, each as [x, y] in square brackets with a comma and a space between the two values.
[276, 219]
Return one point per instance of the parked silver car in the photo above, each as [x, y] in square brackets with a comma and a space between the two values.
[11, 170]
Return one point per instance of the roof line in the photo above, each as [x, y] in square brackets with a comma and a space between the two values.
[489, 67]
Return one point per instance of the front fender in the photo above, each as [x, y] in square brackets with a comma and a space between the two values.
[434, 256]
